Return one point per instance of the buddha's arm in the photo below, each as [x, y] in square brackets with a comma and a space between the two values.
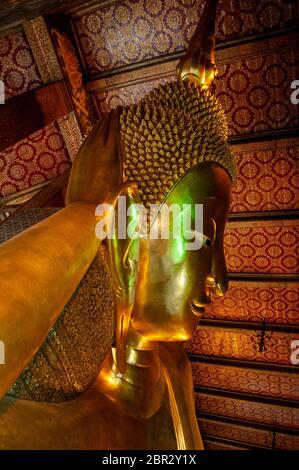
[39, 271]
[41, 268]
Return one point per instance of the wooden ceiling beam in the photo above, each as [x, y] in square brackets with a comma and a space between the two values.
[264, 215]
[263, 277]
[29, 112]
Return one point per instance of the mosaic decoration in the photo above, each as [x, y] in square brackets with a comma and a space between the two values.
[136, 30]
[72, 136]
[253, 302]
[72, 353]
[42, 48]
[241, 344]
[262, 247]
[282, 416]
[248, 435]
[267, 180]
[244, 380]
[25, 219]
[18, 69]
[38, 158]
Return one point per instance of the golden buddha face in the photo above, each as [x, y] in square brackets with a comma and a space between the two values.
[175, 283]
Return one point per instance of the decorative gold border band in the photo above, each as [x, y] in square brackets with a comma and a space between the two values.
[71, 133]
[42, 48]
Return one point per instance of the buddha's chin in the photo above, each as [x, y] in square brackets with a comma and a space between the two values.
[168, 332]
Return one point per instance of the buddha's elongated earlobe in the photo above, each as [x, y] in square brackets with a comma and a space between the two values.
[124, 257]
[198, 64]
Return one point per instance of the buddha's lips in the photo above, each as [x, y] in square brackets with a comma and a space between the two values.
[196, 309]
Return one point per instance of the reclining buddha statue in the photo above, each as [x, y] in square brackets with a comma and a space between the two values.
[92, 327]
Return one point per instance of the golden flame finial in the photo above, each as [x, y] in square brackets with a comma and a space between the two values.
[198, 64]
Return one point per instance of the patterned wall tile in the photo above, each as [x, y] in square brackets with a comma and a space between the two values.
[18, 69]
[267, 180]
[135, 30]
[253, 301]
[242, 344]
[236, 433]
[213, 445]
[254, 92]
[23, 220]
[282, 416]
[38, 158]
[243, 380]
[263, 247]
[286, 442]
[249, 435]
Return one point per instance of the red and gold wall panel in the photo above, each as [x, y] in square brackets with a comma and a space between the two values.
[280, 416]
[136, 30]
[242, 344]
[248, 435]
[244, 380]
[38, 158]
[18, 69]
[213, 445]
[262, 247]
[254, 301]
[254, 92]
[235, 433]
[286, 441]
[267, 180]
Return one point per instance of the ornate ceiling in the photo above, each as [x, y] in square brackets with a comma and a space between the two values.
[246, 385]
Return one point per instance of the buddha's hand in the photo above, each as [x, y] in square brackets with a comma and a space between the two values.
[96, 171]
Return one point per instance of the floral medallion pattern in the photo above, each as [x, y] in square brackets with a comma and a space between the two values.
[247, 345]
[247, 410]
[255, 302]
[263, 247]
[18, 69]
[38, 158]
[274, 384]
[267, 180]
[135, 30]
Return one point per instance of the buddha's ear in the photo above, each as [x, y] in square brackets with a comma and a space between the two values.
[123, 243]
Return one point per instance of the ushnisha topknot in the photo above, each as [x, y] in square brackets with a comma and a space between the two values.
[171, 130]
